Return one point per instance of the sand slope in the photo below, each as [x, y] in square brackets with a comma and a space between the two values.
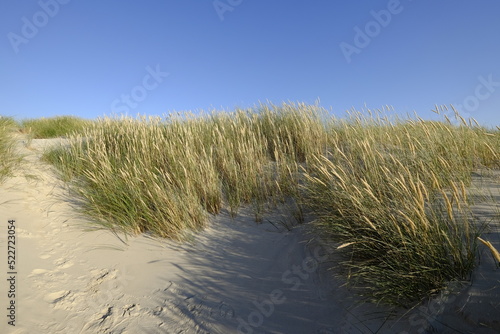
[234, 277]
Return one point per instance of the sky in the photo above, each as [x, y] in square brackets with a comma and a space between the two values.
[92, 58]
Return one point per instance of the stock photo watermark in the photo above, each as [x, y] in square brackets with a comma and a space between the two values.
[139, 93]
[31, 26]
[12, 264]
[484, 90]
[223, 6]
[295, 277]
[420, 321]
[363, 36]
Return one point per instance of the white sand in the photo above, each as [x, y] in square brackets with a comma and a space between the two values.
[236, 276]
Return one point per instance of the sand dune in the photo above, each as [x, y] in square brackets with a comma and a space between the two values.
[235, 277]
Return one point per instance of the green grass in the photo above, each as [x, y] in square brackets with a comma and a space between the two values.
[394, 195]
[392, 192]
[53, 127]
[166, 176]
[8, 159]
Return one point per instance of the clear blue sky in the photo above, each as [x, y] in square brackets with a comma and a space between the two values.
[92, 58]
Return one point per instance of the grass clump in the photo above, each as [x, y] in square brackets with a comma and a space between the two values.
[165, 175]
[41, 128]
[392, 192]
[128, 177]
[8, 158]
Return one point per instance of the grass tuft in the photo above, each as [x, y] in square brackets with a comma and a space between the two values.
[53, 127]
[8, 158]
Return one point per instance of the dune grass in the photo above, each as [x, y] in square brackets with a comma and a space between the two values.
[53, 127]
[391, 192]
[8, 159]
[166, 176]
[394, 195]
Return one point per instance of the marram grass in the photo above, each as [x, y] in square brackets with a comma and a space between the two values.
[393, 192]
[165, 176]
[52, 127]
[8, 157]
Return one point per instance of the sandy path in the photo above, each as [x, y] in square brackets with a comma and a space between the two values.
[234, 277]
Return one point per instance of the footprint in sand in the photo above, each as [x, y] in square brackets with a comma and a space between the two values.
[26, 234]
[103, 322]
[128, 309]
[45, 256]
[56, 297]
[38, 272]
[99, 277]
[63, 263]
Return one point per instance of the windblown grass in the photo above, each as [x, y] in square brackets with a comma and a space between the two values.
[165, 175]
[8, 158]
[393, 193]
[40, 128]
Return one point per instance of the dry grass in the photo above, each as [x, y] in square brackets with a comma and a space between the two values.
[392, 192]
[165, 175]
[395, 193]
[8, 158]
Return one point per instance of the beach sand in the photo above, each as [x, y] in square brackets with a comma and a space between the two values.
[236, 276]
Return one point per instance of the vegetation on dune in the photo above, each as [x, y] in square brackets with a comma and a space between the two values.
[8, 158]
[392, 193]
[165, 176]
[41, 128]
